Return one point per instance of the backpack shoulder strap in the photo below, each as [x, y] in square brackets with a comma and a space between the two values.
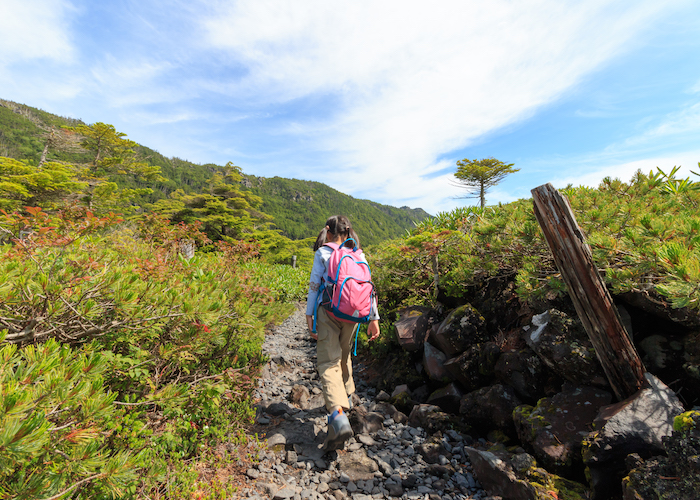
[354, 244]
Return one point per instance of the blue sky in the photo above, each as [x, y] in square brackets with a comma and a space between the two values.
[377, 99]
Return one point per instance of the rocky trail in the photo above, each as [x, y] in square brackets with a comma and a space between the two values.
[390, 456]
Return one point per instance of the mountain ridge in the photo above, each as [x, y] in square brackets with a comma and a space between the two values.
[299, 208]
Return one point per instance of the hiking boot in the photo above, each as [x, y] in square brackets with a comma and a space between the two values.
[339, 431]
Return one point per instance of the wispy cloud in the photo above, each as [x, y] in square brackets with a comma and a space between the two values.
[35, 29]
[687, 160]
[378, 99]
[685, 121]
[415, 81]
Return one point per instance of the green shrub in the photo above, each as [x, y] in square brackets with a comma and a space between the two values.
[176, 344]
[55, 425]
[644, 234]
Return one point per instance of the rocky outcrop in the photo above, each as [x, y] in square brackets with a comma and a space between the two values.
[474, 367]
[563, 345]
[413, 326]
[513, 380]
[434, 363]
[490, 407]
[525, 372]
[556, 427]
[636, 425]
[447, 398]
[365, 422]
[431, 418]
[676, 475]
[517, 477]
[650, 301]
[462, 328]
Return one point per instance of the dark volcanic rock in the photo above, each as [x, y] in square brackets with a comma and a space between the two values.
[357, 465]
[365, 422]
[463, 327]
[475, 367]
[390, 411]
[446, 398]
[563, 345]
[517, 477]
[524, 371]
[413, 326]
[432, 448]
[300, 395]
[434, 363]
[490, 407]
[278, 409]
[636, 425]
[555, 428]
[431, 418]
[651, 302]
[672, 477]
[498, 477]
[401, 398]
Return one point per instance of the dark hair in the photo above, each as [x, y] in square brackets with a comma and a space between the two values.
[337, 225]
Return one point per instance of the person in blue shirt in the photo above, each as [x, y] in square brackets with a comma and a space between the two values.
[334, 337]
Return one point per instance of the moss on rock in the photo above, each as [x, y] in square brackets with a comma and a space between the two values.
[686, 422]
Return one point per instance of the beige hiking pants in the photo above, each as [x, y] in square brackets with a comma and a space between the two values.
[333, 358]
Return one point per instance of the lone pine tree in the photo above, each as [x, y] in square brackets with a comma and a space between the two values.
[478, 176]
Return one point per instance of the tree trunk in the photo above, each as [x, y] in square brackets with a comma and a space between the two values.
[594, 305]
[44, 153]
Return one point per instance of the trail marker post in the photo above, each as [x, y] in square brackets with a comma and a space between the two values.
[594, 305]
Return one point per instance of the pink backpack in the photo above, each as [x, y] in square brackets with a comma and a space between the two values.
[349, 293]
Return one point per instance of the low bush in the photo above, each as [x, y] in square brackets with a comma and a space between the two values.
[121, 358]
[644, 234]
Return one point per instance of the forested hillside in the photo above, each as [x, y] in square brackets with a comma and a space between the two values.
[300, 208]
[296, 208]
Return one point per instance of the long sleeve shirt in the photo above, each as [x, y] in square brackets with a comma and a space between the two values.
[319, 274]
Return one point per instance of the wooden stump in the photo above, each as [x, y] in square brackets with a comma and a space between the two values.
[594, 305]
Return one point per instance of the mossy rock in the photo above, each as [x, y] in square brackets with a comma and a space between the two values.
[676, 475]
[548, 486]
[686, 422]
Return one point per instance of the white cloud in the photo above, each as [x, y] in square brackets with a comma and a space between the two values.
[35, 29]
[132, 82]
[695, 88]
[687, 160]
[416, 80]
[687, 120]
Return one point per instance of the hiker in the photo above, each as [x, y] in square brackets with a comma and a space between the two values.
[334, 337]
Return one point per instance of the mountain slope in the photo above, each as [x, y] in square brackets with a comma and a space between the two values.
[300, 209]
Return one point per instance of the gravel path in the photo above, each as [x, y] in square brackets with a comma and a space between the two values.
[385, 459]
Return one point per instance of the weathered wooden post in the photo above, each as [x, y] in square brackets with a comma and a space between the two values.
[294, 261]
[595, 308]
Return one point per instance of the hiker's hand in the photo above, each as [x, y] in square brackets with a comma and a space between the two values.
[373, 329]
[310, 324]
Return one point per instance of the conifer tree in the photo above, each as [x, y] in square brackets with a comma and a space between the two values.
[113, 156]
[225, 211]
[478, 176]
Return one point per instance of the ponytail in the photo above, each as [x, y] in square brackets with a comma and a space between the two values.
[321, 239]
[337, 225]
